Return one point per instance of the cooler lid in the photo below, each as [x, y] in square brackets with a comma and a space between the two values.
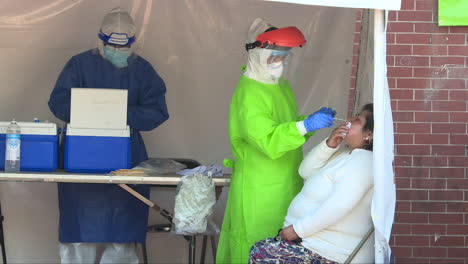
[97, 132]
[32, 128]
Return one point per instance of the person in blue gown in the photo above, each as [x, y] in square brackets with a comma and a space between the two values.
[105, 216]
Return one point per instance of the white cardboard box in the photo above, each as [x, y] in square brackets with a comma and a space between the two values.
[98, 108]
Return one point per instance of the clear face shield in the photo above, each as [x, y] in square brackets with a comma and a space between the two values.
[279, 62]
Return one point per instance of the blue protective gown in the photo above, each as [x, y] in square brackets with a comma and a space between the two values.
[105, 213]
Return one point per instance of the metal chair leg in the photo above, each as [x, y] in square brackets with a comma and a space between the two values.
[2, 237]
[145, 253]
[213, 247]
[192, 249]
[203, 250]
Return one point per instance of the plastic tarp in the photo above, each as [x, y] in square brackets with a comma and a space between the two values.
[197, 47]
[371, 4]
[453, 13]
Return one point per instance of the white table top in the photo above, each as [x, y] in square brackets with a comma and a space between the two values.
[99, 178]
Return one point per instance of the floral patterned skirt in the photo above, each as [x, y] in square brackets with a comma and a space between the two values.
[276, 250]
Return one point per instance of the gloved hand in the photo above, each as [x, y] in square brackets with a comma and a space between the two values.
[320, 119]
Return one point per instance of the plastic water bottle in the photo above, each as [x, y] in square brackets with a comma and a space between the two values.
[13, 147]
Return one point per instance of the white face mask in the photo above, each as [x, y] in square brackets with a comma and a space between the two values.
[275, 69]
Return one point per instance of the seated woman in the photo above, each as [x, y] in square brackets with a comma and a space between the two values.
[332, 213]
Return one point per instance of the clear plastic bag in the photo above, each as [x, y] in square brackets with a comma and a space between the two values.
[158, 166]
[194, 205]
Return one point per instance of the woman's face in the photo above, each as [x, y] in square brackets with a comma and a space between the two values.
[356, 137]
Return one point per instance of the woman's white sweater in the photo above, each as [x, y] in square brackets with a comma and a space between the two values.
[332, 213]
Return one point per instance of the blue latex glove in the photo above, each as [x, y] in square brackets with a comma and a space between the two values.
[320, 119]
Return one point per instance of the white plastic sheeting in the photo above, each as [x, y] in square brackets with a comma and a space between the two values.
[197, 47]
[371, 4]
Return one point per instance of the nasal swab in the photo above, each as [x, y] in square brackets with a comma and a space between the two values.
[339, 119]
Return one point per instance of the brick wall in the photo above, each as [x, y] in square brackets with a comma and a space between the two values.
[428, 78]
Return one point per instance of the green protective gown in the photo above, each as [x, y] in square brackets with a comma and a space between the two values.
[266, 145]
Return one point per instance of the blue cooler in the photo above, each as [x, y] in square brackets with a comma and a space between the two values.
[92, 150]
[39, 146]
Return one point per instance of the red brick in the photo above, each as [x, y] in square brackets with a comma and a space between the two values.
[429, 50]
[459, 139]
[448, 84]
[446, 195]
[357, 26]
[460, 207]
[431, 117]
[398, 49]
[447, 61]
[457, 230]
[411, 61]
[400, 260]
[428, 183]
[430, 139]
[390, 60]
[391, 82]
[428, 229]
[413, 241]
[458, 252]
[437, 218]
[428, 161]
[458, 73]
[448, 150]
[355, 49]
[429, 252]
[459, 117]
[426, 5]
[412, 172]
[459, 95]
[431, 95]
[429, 72]
[407, 5]
[402, 206]
[402, 251]
[401, 94]
[410, 38]
[447, 173]
[449, 106]
[413, 83]
[458, 161]
[448, 39]
[446, 261]
[403, 161]
[458, 50]
[412, 150]
[429, 28]
[412, 195]
[414, 105]
[390, 38]
[457, 184]
[413, 128]
[449, 241]
[356, 38]
[403, 116]
[428, 206]
[392, 16]
[458, 29]
[401, 139]
[399, 72]
[400, 27]
[414, 16]
[449, 128]
[418, 218]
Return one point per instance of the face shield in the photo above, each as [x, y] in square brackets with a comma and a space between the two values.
[270, 53]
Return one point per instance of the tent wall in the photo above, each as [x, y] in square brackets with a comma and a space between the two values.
[197, 47]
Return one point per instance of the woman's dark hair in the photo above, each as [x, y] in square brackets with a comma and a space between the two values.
[368, 109]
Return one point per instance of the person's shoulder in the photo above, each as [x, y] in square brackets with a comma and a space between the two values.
[362, 156]
[142, 61]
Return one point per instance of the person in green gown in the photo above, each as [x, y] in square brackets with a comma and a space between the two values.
[266, 134]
